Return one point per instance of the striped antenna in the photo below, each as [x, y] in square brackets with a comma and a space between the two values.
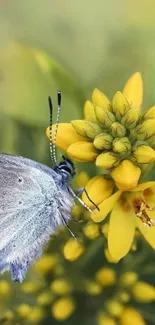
[51, 116]
[57, 125]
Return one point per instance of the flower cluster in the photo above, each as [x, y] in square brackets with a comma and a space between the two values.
[120, 139]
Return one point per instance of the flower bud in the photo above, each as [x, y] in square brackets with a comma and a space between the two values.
[144, 154]
[45, 298]
[126, 175]
[103, 141]
[130, 316]
[117, 130]
[82, 151]
[128, 279]
[104, 116]
[93, 288]
[105, 320]
[107, 160]
[114, 307]
[91, 230]
[150, 113]
[60, 287]
[73, 250]
[120, 105]
[130, 119]
[106, 276]
[121, 145]
[145, 130]
[133, 91]
[143, 292]
[89, 111]
[23, 310]
[63, 308]
[86, 128]
[99, 99]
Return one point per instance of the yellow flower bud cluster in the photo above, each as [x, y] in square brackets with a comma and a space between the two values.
[114, 133]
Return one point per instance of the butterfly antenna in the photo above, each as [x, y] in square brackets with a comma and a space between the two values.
[51, 116]
[57, 125]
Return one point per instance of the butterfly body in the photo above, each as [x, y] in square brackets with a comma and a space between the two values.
[34, 201]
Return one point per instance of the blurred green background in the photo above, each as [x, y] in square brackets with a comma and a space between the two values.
[74, 46]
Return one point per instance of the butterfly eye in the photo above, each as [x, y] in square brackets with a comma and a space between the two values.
[20, 180]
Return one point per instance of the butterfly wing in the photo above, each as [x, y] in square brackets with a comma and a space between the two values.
[32, 205]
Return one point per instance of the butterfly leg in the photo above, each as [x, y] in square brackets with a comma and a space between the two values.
[81, 190]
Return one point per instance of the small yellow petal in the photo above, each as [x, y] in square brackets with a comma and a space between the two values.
[133, 91]
[99, 99]
[131, 316]
[121, 231]
[66, 135]
[126, 175]
[89, 111]
[105, 207]
[98, 189]
[82, 151]
[107, 160]
[143, 186]
[143, 292]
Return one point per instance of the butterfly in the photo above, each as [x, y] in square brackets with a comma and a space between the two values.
[34, 200]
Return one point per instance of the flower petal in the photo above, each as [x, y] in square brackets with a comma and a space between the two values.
[89, 111]
[66, 135]
[121, 230]
[143, 186]
[99, 99]
[126, 175]
[133, 90]
[148, 233]
[98, 189]
[82, 151]
[105, 207]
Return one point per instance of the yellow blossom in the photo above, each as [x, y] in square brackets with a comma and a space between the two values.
[114, 127]
[73, 249]
[36, 315]
[45, 264]
[131, 316]
[143, 292]
[99, 189]
[23, 310]
[5, 289]
[105, 320]
[130, 209]
[91, 230]
[61, 287]
[93, 288]
[114, 307]
[63, 308]
[106, 276]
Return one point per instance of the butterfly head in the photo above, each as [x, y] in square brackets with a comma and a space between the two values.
[66, 168]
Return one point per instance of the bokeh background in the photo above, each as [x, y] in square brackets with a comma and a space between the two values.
[74, 46]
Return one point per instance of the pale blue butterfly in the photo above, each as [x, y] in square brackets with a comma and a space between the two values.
[34, 201]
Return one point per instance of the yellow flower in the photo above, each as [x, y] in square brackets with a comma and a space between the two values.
[73, 249]
[45, 264]
[106, 276]
[131, 316]
[143, 292]
[129, 210]
[63, 308]
[61, 287]
[116, 136]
